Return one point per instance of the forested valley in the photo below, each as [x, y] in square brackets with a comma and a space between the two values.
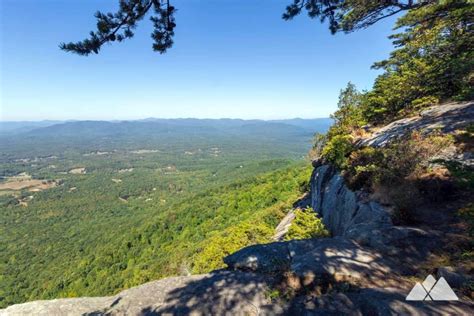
[89, 208]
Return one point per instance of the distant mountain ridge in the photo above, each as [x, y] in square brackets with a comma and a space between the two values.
[157, 124]
[295, 135]
[18, 127]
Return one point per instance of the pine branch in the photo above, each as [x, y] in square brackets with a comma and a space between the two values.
[112, 27]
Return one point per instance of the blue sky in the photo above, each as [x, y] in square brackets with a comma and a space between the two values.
[232, 58]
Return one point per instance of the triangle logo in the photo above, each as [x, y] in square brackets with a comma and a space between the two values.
[429, 282]
[442, 291]
[417, 293]
[432, 290]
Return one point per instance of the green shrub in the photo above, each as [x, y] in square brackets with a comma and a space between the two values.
[228, 241]
[393, 165]
[363, 167]
[424, 102]
[398, 173]
[306, 224]
[337, 150]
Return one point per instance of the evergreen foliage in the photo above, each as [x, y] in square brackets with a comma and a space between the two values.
[342, 15]
[433, 61]
[350, 15]
[306, 224]
[119, 26]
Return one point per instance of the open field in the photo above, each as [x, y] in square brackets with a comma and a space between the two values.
[23, 181]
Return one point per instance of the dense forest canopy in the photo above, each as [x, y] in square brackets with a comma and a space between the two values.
[118, 204]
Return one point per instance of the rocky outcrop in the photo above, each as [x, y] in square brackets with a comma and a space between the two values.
[372, 286]
[311, 259]
[219, 293]
[344, 212]
[282, 229]
[238, 293]
[446, 118]
[372, 283]
[350, 214]
[376, 301]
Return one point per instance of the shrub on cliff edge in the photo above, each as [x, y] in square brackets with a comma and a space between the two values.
[306, 224]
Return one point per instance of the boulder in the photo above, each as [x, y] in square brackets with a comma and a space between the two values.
[265, 258]
[312, 259]
[334, 259]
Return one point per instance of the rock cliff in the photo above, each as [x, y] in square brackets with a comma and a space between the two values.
[352, 215]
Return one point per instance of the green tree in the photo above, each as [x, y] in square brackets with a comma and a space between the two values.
[433, 61]
[350, 15]
[348, 116]
[119, 26]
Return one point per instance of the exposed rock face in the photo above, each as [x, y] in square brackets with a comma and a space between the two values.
[344, 212]
[311, 259]
[282, 229]
[377, 301]
[311, 263]
[219, 293]
[446, 117]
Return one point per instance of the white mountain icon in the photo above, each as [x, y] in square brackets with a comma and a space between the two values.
[432, 290]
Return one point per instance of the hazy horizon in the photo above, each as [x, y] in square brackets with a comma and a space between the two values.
[164, 118]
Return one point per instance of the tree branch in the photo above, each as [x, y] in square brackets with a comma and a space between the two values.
[99, 38]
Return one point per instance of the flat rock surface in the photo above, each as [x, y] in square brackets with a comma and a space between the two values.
[312, 259]
[265, 258]
[335, 259]
[375, 287]
[446, 117]
[219, 293]
[377, 301]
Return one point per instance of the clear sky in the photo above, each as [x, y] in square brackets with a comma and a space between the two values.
[232, 58]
